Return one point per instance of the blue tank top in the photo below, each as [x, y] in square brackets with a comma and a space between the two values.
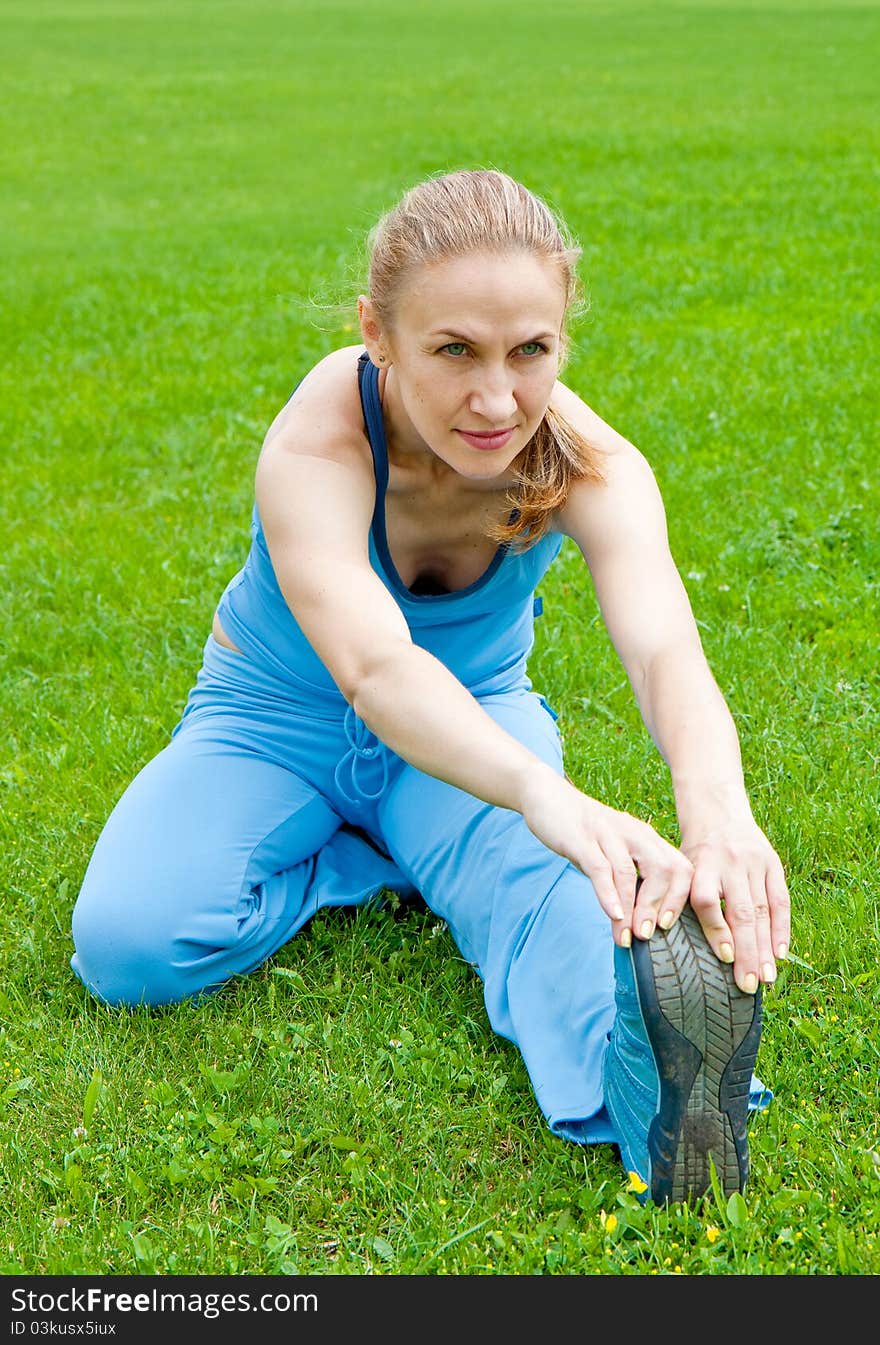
[483, 633]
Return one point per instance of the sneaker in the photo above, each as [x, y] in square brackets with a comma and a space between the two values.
[678, 1068]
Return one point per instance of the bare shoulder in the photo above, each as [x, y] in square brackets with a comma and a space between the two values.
[628, 493]
[323, 417]
[314, 485]
[617, 453]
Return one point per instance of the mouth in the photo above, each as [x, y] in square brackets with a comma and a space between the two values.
[486, 440]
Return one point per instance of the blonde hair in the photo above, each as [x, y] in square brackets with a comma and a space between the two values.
[484, 210]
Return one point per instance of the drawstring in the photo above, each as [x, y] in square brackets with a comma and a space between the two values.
[363, 746]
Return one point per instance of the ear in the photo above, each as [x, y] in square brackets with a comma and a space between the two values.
[371, 331]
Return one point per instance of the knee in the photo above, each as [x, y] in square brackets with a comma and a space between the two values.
[122, 954]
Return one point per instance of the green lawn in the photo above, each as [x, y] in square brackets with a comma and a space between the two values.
[183, 185]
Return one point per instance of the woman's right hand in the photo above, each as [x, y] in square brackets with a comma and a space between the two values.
[613, 849]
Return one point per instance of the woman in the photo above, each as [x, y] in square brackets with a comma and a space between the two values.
[363, 719]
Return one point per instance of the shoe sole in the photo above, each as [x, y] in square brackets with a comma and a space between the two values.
[704, 1032]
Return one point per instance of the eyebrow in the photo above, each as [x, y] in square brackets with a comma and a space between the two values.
[469, 340]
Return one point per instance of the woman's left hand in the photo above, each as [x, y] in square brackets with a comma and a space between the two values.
[740, 897]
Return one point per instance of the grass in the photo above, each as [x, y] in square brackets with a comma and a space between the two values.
[179, 181]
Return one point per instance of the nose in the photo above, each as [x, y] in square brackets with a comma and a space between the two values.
[493, 398]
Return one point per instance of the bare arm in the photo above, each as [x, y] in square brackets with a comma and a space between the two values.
[621, 531]
[316, 509]
[649, 619]
[403, 694]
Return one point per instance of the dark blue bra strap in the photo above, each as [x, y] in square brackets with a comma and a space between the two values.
[368, 384]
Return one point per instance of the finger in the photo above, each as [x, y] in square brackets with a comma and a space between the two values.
[763, 938]
[780, 908]
[621, 933]
[622, 929]
[663, 894]
[739, 912]
[594, 863]
[706, 902]
[623, 872]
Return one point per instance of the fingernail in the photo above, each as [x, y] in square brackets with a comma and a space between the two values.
[725, 952]
[782, 952]
[617, 913]
[646, 929]
[666, 919]
[750, 983]
[626, 937]
[768, 971]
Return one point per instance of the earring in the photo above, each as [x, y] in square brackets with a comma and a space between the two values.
[381, 359]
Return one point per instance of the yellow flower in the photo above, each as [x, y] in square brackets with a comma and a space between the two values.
[636, 1185]
[712, 1233]
[611, 1223]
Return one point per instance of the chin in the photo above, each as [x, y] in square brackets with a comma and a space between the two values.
[482, 471]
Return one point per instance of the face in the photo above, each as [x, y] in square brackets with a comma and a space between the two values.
[472, 359]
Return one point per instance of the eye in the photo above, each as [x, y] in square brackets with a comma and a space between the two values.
[455, 349]
[532, 348]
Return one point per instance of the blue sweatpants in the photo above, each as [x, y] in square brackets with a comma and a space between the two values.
[264, 808]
